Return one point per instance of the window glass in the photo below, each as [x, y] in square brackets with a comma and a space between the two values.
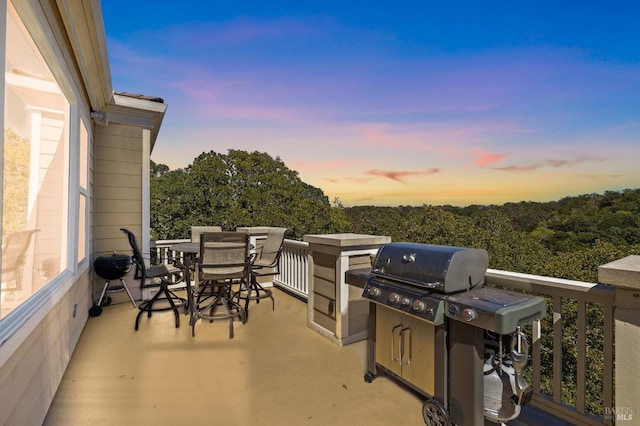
[83, 181]
[82, 228]
[36, 169]
[84, 153]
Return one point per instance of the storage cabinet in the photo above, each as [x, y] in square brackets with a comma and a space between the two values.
[405, 346]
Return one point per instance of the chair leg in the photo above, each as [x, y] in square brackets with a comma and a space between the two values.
[138, 319]
[174, 308]
[267, 293]
[227, 311]
[220, 296]
[147, 306]
[175, 312]
[246, 301]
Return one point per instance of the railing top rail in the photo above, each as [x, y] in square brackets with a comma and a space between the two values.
[549, 285]
[296, 243]
[162, 243]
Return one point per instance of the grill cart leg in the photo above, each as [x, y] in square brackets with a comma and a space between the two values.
[466, 375]
[371, 345]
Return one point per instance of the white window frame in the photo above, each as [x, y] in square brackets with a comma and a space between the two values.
[20, 323]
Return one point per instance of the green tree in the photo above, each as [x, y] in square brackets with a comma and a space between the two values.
[239, 189]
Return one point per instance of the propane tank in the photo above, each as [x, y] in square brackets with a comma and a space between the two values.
[500, 389]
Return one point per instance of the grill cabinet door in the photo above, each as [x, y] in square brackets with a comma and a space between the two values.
[388, 326]
[420, 369]
[405, 346]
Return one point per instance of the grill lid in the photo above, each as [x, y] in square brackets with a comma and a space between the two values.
[112, 267]
[440, 268]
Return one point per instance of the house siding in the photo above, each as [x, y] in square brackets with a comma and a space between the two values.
[30, 377]
[118, 194]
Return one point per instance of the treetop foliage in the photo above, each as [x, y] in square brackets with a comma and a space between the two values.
[238, 189]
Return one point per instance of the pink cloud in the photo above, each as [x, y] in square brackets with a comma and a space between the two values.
[398, 175]
[597, 177]
[555, 163]
[483, 158]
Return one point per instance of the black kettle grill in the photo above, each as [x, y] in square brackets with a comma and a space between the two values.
[109, 268]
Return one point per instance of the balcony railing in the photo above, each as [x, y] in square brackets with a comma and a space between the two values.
[294, 277]
[294, 267]
[587, 297]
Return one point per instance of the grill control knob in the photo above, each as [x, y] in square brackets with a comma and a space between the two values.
[469, 314]
[374, 291]
[419, 306]
[406, 301]
[394, 298]
[454, 310]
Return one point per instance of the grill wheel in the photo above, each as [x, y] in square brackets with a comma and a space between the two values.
[435, 414]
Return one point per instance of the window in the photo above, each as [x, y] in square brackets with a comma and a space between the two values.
[35, 179]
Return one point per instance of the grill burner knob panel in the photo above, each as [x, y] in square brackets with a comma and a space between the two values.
[403, 298]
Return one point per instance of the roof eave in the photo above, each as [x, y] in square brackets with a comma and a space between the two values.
[85, 29]
[136, 112]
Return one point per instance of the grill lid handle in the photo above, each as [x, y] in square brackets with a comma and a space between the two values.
[408, 258]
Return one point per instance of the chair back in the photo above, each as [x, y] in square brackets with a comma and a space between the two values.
[138, 260]
[269, 254]
[14, 249]
[224, 256]
[14, 256]
[196, 231]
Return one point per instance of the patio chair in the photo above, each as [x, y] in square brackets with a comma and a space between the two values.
[266, 263]
[14, 255]
[159, 277]
[224, 261]
[197, 230]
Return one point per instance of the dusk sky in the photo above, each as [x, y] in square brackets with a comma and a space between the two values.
[396, 102]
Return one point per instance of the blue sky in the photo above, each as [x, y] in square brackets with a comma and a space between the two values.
[396, 103]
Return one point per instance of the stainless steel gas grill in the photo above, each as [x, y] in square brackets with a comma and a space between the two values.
[435, 327]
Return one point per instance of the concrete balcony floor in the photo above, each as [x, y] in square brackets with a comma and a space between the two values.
[276, 371]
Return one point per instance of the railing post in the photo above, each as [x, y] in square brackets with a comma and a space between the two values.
[624, 275]
[336, 309]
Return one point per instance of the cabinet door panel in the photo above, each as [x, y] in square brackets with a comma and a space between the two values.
[387, 330]
[420, 371]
